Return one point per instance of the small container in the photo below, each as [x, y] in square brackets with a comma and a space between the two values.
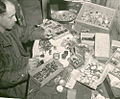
[62, 82]
[87, 19]
[60, 88]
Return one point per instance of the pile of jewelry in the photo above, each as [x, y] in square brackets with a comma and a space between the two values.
[91, 73]
[96, 18]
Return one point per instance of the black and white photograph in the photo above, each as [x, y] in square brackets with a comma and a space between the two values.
[59, 49]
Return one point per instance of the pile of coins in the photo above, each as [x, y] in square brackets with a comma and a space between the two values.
[96, 18]
[46, 71]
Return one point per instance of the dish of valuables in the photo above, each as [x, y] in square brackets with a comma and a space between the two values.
[63, 16]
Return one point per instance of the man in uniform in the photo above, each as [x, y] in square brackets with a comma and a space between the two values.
[13, 57]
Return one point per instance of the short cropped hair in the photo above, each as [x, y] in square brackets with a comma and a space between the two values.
[2, 7]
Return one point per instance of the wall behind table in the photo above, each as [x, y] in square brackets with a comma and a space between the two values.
[115, 30]
[32, 11]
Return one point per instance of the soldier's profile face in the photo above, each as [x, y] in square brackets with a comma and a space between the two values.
[8, 18]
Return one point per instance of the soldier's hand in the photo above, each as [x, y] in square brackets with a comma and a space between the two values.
[40, 33]
[33, 63]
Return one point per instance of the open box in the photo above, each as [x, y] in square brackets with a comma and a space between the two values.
[93, 73]
[46, 72]
[114, 63]
[113, 79]
[94, 17]
[54, 29]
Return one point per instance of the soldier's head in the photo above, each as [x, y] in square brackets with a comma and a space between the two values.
[7, 14]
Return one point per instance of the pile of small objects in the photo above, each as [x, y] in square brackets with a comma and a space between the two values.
[45, 45]
[96, 18]
[53, 28]
[115, 61]
[76, 61]
[116, 72]
[65, 16]
[46, 71]
[91, 73]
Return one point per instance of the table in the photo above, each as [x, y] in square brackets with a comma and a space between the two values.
[83, 94]
[49, 91]
[51, 88]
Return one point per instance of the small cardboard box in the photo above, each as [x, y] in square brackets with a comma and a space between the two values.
[115, 45]
[100, 13]
[93, 73]
[102, 46]
[37, 75]
[114, 63]
[54, 29]
[88, 38]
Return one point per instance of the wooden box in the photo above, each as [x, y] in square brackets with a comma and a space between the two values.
[94, 17]
[44, 73]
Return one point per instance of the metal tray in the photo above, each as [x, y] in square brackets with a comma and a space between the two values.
[63, 16]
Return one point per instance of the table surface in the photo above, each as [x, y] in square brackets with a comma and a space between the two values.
[49, 90]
